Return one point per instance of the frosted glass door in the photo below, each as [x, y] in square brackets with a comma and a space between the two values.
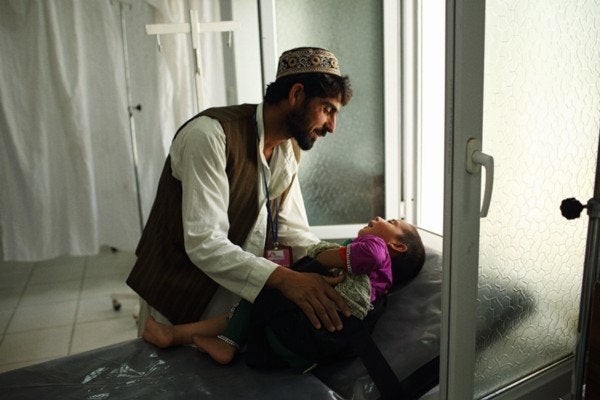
[540, 123]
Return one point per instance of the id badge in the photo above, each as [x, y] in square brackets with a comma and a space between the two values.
[279, 254]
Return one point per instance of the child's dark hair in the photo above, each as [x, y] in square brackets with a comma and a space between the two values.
[315, 85]
[407, 265]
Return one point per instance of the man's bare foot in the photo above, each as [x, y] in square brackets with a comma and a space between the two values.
[158, 334]
[219, 350]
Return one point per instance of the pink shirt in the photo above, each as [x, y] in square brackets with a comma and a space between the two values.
[369, 255]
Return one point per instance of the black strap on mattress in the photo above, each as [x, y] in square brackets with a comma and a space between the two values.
[382, 374]
[422, 380]
[388, 384]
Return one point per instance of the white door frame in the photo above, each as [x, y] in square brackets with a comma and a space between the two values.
[465, 38]
[465, 27]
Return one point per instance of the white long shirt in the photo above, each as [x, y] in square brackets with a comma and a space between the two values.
[198, 159]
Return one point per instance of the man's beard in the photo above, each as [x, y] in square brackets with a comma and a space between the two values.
[298, 124]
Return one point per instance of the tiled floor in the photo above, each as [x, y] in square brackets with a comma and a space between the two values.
[63, 306]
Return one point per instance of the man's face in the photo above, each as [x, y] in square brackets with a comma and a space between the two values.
[311, 119]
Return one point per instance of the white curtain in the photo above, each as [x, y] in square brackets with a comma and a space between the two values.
[66, 165]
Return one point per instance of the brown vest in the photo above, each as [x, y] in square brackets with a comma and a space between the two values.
[163, 274]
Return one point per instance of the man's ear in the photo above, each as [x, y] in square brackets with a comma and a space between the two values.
[398, 247]
[296, 94]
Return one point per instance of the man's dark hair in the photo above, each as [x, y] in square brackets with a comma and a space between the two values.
[315, 85]
[406, 265]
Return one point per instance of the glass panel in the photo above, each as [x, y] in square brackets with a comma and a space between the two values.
[342, 176]
[541, 126]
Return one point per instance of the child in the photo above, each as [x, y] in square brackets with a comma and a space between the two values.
[384, 252]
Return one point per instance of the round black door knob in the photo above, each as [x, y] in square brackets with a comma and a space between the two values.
[571, 208]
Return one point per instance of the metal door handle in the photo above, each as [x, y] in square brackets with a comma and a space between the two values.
[475, 159]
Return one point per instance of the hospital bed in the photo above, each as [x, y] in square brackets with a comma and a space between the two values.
[408, 335]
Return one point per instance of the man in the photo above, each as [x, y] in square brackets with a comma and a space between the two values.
[229, 197]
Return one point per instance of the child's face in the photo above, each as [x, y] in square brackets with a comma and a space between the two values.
[387, 230]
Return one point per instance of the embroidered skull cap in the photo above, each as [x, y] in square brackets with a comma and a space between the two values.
[303, 60]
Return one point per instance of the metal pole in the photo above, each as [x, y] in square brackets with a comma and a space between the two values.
[590, 275]
[130, 108]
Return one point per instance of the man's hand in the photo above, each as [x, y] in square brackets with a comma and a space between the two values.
[314, 294]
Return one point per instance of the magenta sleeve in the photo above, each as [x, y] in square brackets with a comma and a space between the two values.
[369, 255]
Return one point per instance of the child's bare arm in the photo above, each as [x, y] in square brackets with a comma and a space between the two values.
[331, 258]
